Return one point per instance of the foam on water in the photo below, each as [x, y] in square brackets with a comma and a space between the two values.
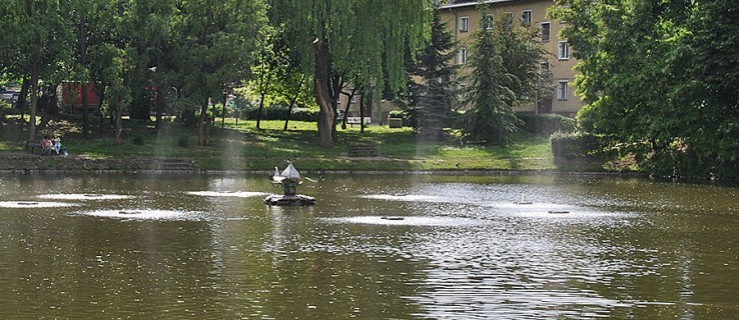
[235, 194]
[84, 196]
[550, 210]
[144, 214]
[408, 221]
[34, 204]
[405, 197]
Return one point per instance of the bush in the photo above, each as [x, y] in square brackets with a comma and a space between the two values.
[546, 124]
[571, 145]
[138, 140]
[279, 112]
[183, 141]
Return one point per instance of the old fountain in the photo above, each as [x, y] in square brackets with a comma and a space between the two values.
[289, 179]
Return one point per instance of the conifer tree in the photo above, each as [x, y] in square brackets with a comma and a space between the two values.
[431, 100]
[503, 72]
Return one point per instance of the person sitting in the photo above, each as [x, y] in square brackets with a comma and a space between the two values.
[57, 145]
[46, 146]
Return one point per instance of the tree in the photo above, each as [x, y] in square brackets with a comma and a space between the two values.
[215, 44]
[37, 33]
[431, 100]
[148, 40]
[335, 38]
[659, 77]
[504, 71]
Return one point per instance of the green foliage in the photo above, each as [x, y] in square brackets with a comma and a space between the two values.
[574, 145]
[138, 140]
[183, 141]
[337, 39]
[656, 73]
[280, 112]
[431, 100]
[546, 124]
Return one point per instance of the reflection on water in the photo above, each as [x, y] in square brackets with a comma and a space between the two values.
[373, 247]
[33, 204]
[236, 194]
[407, 221]
[84, 196]
[143, 214]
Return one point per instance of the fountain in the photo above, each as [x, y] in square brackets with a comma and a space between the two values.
[289, 179]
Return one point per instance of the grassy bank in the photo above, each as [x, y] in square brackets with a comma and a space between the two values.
[244, 147]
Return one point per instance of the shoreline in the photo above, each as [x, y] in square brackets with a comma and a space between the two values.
[25, 163]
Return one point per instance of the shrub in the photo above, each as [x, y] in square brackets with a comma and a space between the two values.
[138, 140]
[279, 112]
[546, 124]
[183, 141]
[570, 145]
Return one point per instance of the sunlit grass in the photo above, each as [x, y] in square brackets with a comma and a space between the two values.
[244, 147]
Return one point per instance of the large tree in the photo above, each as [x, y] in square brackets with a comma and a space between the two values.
[431, 100]
[660, 77]
[504, 72]
[37, 38]
[335, 38]
[215, 41]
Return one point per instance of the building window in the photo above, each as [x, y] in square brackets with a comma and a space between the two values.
[338, 99]
[487, 22]
[526, 17]
[545, 30]
[354, 99]
[462, 55]
[563, 50]
[563, 89]
[464, 24]
[544, 65]
[508, 19]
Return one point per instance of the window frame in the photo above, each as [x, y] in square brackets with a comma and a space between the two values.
[464, 24]
[530, 17]
[563, 90]
[549, 31]
[563, 50]
[462, 56]
[508, 19]
[487, 22]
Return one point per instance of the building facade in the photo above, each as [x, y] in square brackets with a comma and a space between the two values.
[464, 18]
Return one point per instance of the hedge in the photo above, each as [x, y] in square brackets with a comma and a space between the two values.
[576, 145]
[280, 113]
[546, 124]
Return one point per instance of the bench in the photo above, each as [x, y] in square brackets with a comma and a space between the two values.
[357, 120]
[359, 150]
[33, 146]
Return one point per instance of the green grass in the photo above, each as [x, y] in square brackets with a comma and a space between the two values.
[244, 147]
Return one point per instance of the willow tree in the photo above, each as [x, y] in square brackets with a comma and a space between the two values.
[340, 37]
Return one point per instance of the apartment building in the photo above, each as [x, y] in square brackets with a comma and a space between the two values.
[464, 18]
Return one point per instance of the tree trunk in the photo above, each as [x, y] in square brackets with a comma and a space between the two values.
[324, 99]
[22, 95]
[223, 108]
[293, 100]
[83, 56]
[348, 104]
[202, 123]
[100, 91]
[34, 100]
[361, 111]
[118, 122]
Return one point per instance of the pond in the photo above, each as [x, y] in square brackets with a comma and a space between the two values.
[197, 246]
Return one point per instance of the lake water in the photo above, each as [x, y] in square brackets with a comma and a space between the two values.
[117, 246]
